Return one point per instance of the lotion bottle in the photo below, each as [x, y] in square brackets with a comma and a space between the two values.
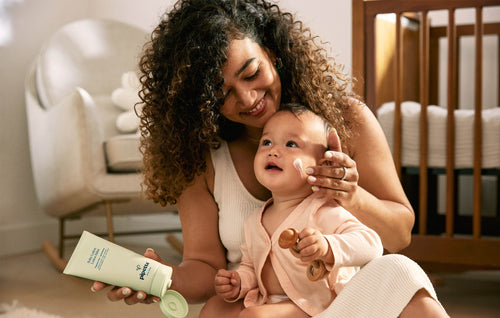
[98, 259]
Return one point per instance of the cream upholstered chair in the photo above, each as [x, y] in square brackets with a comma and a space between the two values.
[82, 165]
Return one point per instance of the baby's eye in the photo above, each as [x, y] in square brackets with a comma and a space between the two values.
[291, 144]
[266, 142]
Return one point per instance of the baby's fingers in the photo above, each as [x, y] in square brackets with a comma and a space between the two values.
[222, 280]
[226, 277]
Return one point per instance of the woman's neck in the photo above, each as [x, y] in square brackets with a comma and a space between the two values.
[252, 135]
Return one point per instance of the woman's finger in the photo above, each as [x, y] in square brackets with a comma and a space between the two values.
[336, 159]
[150, 253]
[119, 293]
[339, 173]
[336, 183]
[135, 298]
[98, 286]
[334, 141]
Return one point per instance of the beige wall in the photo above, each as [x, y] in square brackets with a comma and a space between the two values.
[22, 223]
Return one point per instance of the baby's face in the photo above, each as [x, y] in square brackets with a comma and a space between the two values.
[285, 139]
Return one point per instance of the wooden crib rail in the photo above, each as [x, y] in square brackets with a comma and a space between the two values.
[424, 100]
[476, 251]
[478, 100]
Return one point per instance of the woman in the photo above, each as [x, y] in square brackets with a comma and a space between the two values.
[213, 73]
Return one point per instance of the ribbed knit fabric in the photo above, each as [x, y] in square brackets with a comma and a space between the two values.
[381, 289]
[234, 201]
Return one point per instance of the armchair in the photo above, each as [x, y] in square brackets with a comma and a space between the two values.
[82, 165]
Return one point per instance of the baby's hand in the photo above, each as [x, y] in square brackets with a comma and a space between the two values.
[227, 284]
[313, 246]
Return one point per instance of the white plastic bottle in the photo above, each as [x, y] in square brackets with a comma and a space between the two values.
[98, 259]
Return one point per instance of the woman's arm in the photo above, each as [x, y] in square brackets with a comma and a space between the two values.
[203, 252]
[371, 190]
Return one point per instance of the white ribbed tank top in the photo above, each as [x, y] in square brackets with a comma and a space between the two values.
[234, 202]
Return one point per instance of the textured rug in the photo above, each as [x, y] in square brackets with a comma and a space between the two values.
[17, 310]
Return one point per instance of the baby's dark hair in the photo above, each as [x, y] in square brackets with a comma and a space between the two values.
[182, 82]
[299, 109]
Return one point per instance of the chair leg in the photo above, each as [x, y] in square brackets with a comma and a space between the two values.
[109, 221]
[62, 222]
[56, 255]
[53, 255]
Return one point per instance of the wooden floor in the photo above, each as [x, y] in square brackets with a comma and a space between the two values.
[32, 281]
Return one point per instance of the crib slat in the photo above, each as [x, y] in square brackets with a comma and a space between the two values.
[391, 6]
[358, 62]
[478, 30]
[398, 95]
[424, 101]
[450, 124]
[370, 62]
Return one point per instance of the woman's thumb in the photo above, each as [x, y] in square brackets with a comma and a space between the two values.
[334, 141]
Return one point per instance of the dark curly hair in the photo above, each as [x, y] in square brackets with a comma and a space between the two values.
[182, 80]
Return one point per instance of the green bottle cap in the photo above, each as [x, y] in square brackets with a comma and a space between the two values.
[173, 305]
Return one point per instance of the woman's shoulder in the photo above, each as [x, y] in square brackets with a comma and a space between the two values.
[358, 108]
[209, 173]
[366, 130]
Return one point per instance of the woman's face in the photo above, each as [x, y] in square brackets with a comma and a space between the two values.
[252, 86]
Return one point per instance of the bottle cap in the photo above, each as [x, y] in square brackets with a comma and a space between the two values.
[173, 305]
[161, 281]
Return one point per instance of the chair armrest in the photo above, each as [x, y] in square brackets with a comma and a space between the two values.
[66, 151]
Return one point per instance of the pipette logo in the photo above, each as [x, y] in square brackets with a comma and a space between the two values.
[143, 271]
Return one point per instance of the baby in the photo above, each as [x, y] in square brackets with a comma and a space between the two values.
[272, 280]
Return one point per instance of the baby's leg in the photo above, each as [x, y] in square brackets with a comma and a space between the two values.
[285, 309]
[218, 307]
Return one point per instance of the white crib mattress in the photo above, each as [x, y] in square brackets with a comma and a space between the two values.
[464, 135]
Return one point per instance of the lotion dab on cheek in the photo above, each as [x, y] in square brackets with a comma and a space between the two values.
[297, 163]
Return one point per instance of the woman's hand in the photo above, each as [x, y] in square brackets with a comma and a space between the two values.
[126, 294]
[336, 175]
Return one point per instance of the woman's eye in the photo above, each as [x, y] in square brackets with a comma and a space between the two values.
[254, 75]
[291, 144]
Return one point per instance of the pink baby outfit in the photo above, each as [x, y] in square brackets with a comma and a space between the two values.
[352, 243]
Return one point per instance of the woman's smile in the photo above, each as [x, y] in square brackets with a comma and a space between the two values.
[257, 109]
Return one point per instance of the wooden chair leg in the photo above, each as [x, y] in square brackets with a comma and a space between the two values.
[109, 221]
[53, 255]
[62, 223]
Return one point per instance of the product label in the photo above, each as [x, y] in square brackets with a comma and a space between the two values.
[97, 257]
[143, 270]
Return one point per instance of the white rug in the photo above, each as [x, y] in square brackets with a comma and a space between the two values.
[16, 310]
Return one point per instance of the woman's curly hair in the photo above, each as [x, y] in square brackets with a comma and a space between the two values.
[182, 83]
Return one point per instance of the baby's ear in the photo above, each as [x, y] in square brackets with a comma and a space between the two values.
[334, 141]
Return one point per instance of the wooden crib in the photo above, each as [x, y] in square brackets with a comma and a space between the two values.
[397, 58]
